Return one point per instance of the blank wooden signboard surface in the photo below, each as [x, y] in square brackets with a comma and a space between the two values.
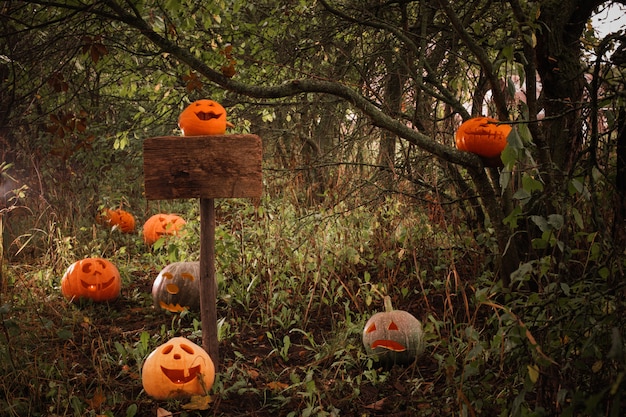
[221, 166]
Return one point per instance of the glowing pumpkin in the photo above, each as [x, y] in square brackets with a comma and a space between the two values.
[482, 136]
[203, 117]
[119, 218]
[94, 278]
[393, 336]
[161, 225]
[177, 287]
[177, 369]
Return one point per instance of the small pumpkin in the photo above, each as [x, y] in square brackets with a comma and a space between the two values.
[177, 287]
[94, 278]
[161, 225]
[483, 136]
[203, 117]
[177, 369]
[119, 218]
[393, 336]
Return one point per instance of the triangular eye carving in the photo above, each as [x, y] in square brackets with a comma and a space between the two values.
[372, 328]
[393, 326]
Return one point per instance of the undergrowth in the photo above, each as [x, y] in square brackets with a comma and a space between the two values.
[295, 287]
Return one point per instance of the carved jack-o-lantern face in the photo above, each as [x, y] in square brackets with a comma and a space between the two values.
[93, 278]
[161, 225]
[177, 369]
[177, 287]
[394, 336]
[203, 117]
[124, 221]
[482, 136]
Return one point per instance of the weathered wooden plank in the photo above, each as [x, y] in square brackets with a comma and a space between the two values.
[221, 166]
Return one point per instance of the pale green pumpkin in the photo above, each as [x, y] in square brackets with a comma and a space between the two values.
[393, 336]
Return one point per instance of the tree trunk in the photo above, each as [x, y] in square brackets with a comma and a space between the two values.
[393, 100]
[558, 57]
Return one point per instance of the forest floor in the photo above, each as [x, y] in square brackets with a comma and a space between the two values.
[84, 358]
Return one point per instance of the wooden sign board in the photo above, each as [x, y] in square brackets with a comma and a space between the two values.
[221, 166]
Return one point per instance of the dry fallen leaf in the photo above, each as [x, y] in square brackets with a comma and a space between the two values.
[198, 402]
[378, 405]
[162, 412]
[97, 400]
[277, 386]
[252, 373]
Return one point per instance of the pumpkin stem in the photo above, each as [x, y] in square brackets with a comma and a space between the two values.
[388, 305]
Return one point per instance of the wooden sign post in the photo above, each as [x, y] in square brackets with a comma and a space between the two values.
[204, 167]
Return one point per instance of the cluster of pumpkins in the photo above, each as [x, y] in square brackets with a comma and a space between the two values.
[179, 368]
[157, 226]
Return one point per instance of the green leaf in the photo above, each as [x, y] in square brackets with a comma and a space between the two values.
[507, 52]
[64, 334]
[524, 133]
[522, 195]
[505, 177]
[131, 411]
[120, 348]
[531, 184]
[541, 222]
[509, 157]
[578, 218]
[173, 5]
[512, 218]
[514, 140]
[533, 373]
[556, 221]
[144, 339]
[604, 272]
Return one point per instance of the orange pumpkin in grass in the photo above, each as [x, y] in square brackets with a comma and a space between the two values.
[177, 369]
[161, 225]
[482, 136]
[94, 278]
[124, 221]
[203, 117]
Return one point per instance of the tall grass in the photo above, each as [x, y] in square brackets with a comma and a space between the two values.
[295, 287]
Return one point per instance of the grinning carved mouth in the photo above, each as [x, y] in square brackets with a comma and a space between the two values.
[175, 308]
[97, 287]
[203, 115]
[177, 376]
[389, 344]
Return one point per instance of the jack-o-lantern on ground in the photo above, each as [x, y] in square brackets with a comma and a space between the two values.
[177, 369]
[119, 218]
[93, 278]
[161, 225]
[177, 287]
[203, 117]
[393, 336]
[484, 137]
